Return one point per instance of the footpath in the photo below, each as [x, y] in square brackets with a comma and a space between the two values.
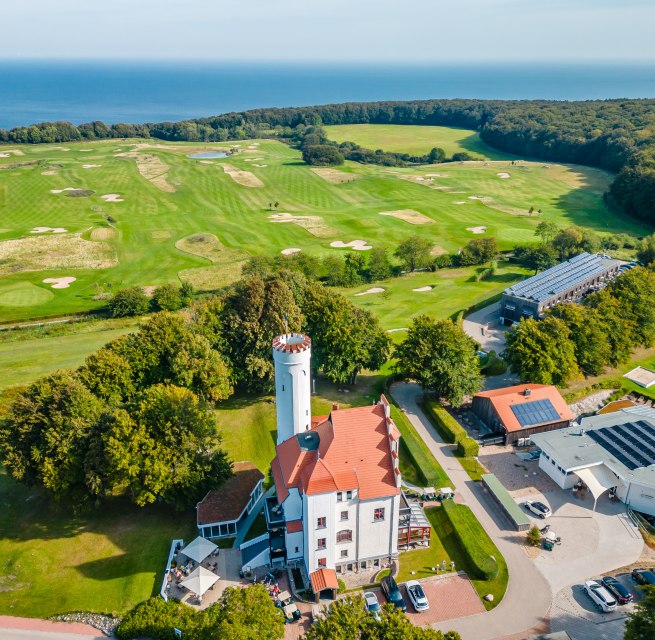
[13, 628]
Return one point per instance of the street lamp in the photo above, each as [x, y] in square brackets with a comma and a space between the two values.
[476, 463]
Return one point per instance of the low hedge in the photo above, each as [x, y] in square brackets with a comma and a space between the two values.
[449, 429]
[477, 546]
[468, 447]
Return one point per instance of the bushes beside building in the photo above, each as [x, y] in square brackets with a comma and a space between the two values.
[449, 429]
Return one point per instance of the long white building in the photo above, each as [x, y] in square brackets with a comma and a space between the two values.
[337, 477]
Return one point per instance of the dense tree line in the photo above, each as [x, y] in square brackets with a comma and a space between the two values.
[612, 134]
[586, 338]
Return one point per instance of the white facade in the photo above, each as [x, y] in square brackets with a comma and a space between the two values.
[293, 396]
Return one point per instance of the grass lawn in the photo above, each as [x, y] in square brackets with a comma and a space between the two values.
[104, 561]
[24, 360]
[414, 139]
[146, 240]
[257, 528]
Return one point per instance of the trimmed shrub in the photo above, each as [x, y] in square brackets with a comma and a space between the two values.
[534, 536]
[128, 302]
[449, 429]
[468, 447]
[475, 543]
[494, 366]
[155, 618]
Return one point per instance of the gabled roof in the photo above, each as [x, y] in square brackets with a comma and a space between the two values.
[323, 579]
[503, 400]
[350, 450]
[228, 502]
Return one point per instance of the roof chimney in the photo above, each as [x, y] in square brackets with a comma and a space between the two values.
[335, 407]
[526, 392]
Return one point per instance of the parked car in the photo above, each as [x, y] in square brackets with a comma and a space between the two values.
[417, 596]
[538, 508]
[643, 576]
[618, 590]
[601, 597]
[372, 604]
[392, 593]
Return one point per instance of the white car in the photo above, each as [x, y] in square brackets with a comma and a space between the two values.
[602, 598]
[372, 604]
[417, 595]
[538, 508]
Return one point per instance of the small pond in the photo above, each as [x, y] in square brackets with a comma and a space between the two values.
[209, 154]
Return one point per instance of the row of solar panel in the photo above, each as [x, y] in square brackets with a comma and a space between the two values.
[633, 444]
[536, 412]
[630, 464]
[553, 272]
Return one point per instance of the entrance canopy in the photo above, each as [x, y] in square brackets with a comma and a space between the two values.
[598, 478]
[200, 580]
[199, 549]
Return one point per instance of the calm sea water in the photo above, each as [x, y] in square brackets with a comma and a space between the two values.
[136, 92]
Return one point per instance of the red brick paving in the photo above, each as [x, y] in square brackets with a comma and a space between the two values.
[33, 624]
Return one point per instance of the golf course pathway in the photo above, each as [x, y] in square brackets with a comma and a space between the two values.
[528, 597]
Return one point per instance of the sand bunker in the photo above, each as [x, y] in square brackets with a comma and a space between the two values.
[49, 173]
[112, 197]
[91, 166]
[484, 199]
[369, 291]
[436, 175]
[260, 166]
[314, 224]
[8, 152]
[60, 283]
[85, 150]
[152, 168]
[47, 229]
[334, 176]
[290, 251]
[503, 175]
[244, 178]
[459, 202]
[41, 252]
[357, 245]
[476, 229]
[408, 215]
[160, 234]
[206, 162]
[64, 190]
[421, 289]
[252, 159]
[103, 233]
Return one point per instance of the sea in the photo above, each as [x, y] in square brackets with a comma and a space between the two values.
[134, 92]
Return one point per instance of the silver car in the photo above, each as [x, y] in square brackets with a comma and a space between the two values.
[372, 604]
[417, 595]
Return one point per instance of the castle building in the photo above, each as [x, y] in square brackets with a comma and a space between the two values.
[337, 478]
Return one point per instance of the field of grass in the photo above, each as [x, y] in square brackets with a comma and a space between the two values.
[146, 239]
[414, 139]
[105, 561]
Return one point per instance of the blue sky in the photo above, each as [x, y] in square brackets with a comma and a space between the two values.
[331, 30]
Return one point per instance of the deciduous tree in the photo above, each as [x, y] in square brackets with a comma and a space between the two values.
[640, 624]
[414, 253]
[128, 302]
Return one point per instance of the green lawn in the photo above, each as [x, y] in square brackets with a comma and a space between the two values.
[417, 140]
[149, 223]
[22, 361]
[104, 561]
[257, 528]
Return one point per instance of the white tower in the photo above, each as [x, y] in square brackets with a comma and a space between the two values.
[292, 353]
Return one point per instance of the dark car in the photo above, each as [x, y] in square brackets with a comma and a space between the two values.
[643, 576]
[392, 593]
[619, 591]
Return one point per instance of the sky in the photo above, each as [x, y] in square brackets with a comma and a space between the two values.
[334, 30]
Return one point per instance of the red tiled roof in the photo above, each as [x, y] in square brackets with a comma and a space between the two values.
[353, 453]
[323, 579]
[228, 501]
[294, 526]
[503, 400]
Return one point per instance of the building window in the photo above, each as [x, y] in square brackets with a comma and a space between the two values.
[339, 496]
[297, 549]
[344, 553]
[345, 536]
[349, 495]
[378, 514]
[344, 515]
[322, 562]
[282, 387]
[320, 523]
[321, 543]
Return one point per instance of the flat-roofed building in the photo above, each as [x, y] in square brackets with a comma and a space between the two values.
[612, 452]
[566, 282]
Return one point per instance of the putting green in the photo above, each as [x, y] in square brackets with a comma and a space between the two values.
[24, 294]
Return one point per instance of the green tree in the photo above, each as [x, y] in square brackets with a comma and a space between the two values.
[640, 624]
[167, 297]
[617, 327]
[354, 268]
[414, 253]
[436, 155]
[379, 267]
[539, 258]
[635, 292]
[441, 357]
[589, 335]
[128, 302]
[478, 251]
[534, 536]
[346, 339]
[546, 231]
[322, 155]
[334, 268]
[108, 375]
[646, 250]
[45, 434]
[567, 242]
[542, 351]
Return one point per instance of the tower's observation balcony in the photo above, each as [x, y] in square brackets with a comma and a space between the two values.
[292, 343]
